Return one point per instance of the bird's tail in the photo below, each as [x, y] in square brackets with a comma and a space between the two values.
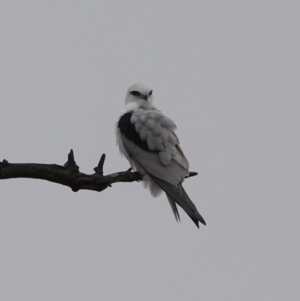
[174, 208]
[177, 194]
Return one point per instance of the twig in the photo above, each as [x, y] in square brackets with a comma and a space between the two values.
[69, 174]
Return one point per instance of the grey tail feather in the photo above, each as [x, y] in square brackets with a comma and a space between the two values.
[174, 208]
[195, 220]
[177, 194]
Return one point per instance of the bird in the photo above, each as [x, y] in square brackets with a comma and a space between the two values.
[146, 137]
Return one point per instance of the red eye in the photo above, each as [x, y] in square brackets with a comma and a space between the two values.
[135, 93]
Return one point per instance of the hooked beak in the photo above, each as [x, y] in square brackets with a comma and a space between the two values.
[145, 97]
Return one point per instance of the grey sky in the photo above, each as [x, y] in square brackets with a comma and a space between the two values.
[227, 73]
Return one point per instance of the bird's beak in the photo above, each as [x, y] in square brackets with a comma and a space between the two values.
[145, 97]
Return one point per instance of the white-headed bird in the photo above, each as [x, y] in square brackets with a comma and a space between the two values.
[147, 139]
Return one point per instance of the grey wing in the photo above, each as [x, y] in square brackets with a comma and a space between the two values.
[164, 159]
[150, 162]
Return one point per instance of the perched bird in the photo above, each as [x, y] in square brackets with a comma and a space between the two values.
[146, 137]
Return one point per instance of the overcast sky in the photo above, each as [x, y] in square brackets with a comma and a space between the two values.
[227, 73]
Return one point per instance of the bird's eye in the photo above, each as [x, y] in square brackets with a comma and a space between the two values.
[150, 93]
[135, 93]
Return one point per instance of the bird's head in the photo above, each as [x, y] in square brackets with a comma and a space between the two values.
[139, 94]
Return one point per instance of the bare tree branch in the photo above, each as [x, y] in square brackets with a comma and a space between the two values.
[69, 174]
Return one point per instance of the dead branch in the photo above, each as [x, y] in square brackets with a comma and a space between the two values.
[69, 174]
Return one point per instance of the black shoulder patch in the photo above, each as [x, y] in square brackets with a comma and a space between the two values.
[128, 130]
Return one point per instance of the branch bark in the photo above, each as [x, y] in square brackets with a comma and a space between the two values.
[69, 174]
